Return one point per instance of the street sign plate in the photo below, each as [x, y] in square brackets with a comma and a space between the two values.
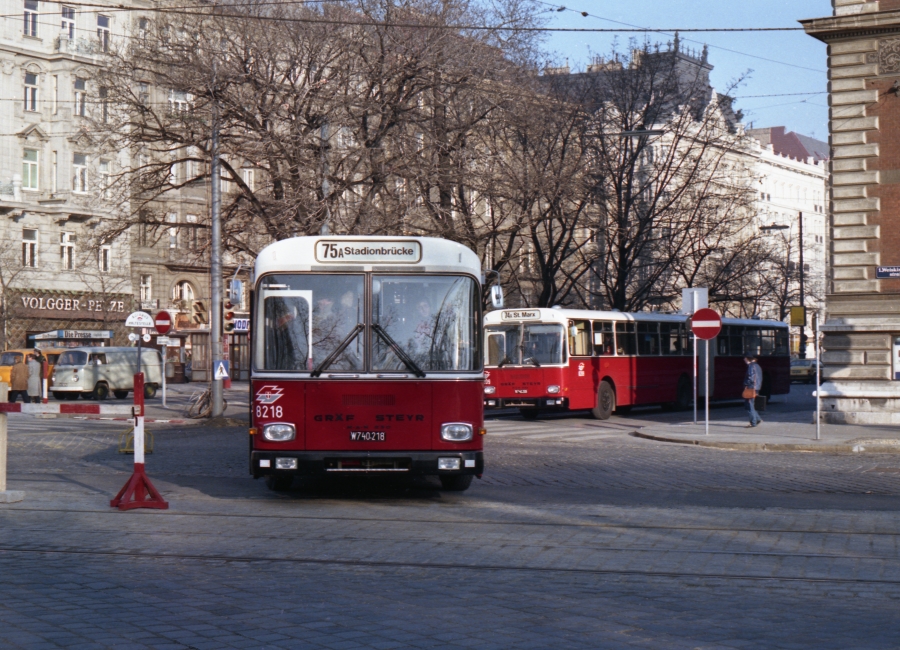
[147, 338]
[139, 319]
[163, 322]
[220, 369]
[706, 324]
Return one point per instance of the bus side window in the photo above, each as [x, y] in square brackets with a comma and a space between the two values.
[687, 340]
[496, 349]
[625, 341]
[736, 339]
[767, 342]
[603, 339]
[781, 342]
[648, 339]
[752, 342]
[580, 343]
[722, 339]
[669, 341]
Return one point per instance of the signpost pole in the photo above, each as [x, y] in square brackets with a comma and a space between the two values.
[696, 340]
[706, 380]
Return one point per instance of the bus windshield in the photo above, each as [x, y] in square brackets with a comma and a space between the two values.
[417, 324]
[306, 318]
[524, 344]
[431, 319]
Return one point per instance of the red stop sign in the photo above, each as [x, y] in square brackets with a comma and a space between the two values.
[163, 322]
[706, 324]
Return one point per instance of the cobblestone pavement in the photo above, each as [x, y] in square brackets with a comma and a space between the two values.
[579, 536]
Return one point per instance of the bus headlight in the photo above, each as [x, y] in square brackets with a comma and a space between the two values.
[490, 390]
[456, 432]
[279, 432]
[553, 390]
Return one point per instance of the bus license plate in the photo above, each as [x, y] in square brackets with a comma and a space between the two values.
[367, 436]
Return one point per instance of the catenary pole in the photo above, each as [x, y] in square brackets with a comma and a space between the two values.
[695, 378]
[818, 383]
[215, 262]
[706, 384]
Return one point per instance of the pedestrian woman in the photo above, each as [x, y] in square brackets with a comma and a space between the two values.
[752, 385]
[18, 380]
[34, 380]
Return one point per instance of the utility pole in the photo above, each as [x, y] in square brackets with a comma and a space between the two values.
[802, 351]
[215, 260]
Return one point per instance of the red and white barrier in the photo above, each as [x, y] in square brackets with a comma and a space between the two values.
[61, 408]
[138, 492]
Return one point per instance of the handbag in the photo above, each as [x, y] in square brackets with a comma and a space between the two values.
[749, 393]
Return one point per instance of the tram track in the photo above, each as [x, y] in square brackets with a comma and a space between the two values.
[454, 522]
[438, 566]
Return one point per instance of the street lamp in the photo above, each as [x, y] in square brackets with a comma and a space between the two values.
[801, 353]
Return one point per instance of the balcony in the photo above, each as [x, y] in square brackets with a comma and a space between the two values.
[80, 45]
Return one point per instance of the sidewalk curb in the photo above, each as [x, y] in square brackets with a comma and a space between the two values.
[853, 447]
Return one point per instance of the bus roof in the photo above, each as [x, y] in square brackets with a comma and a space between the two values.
[549, 315]
[336, 253]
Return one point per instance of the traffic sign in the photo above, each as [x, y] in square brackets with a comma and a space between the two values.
[133, 337]
[146, 338]
[163, 322]
[139, 319]
[220, 369]
[706, 324]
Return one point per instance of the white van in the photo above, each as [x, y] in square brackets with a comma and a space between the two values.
[94, 373]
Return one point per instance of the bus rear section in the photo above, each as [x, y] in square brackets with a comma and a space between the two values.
[366, 364]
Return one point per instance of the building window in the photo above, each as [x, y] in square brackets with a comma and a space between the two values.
[143, 27]
[31, 18]
[67, 250]
[55, 97]
[30, 169]
[104, 179]
[80, 96]
[146, 287]
[54, 172]
[79, 177]
[68, 21]
[143, 93]
[249, 177]
[103, 32]
[31, 91]
[30, 247]
[173, 231]
[103, 94]
[183, 291]
[192, 234]
[179, 101]
[103, 260]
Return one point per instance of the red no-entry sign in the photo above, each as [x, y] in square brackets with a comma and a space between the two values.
[163, 322]
[706, 324]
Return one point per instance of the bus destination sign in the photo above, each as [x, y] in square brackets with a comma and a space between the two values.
[368, 252]
[521, 314]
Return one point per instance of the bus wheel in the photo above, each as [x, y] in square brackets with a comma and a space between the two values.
[458, 483]
[606, 401]
[529, 414]
[683, 395]
[279, 483]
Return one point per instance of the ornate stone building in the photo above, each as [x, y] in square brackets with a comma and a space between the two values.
[862, 328]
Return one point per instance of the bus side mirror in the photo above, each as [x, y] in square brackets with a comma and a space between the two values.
[497, 296]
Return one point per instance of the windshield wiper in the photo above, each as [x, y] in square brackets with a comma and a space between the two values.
[405, 358]
[338, 350]
[532, 360]
[506, 360]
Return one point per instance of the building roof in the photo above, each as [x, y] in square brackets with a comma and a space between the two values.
[790, 144]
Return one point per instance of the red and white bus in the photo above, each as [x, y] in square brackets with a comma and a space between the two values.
[569, 359]
[366, 358]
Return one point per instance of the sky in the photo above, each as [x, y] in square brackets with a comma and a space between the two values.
[770, 63]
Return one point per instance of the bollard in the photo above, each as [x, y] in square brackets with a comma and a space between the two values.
[139, 492]
[6, 496]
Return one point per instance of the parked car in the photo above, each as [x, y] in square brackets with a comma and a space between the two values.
[9, 358]
[804, 370]
[94, 373]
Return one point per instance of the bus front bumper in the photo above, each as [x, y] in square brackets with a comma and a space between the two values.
[419, 463]
[547, 403]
